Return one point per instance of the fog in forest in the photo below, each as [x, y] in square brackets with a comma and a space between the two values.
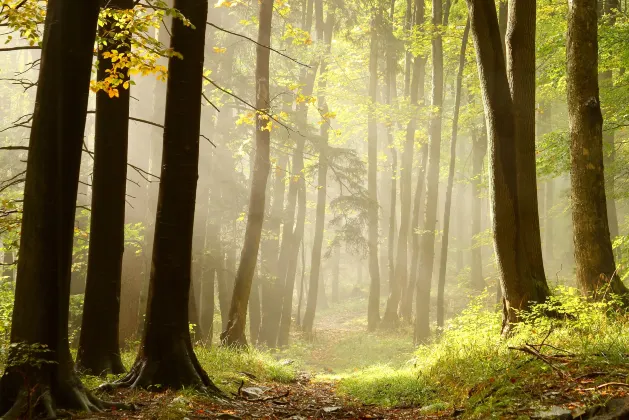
[402, 209]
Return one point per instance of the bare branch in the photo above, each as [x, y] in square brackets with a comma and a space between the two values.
[257, 43]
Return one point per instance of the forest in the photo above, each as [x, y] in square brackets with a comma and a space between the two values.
[356, 209]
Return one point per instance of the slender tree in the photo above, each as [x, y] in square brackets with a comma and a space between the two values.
[373, 310]
[234, 333]
[610, 8]
[322, 171]
[479, 151]
[39, 326]
[166, 356]
[427, 244]
[443, 263]
[592, 245]
[272, 287]
[99, 350]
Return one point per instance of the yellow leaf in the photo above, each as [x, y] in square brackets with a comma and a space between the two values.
[219, 50]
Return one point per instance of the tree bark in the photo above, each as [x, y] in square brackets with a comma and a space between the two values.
[40, 313]
[448, 204]
[594, 257]
[427, 241]
[166, 357]
[519, 287]
[99, 349]
[234, 334]
[520, 55]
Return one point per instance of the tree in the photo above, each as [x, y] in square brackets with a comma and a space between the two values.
[610, 8]
[271, 287]
[322, 173]
[427, 241]
[593, 253]
[479, 151]
[166, 356]
[39, 371]
[99, 350]
[520, 57]
[373, 309]
[448, 204]
[519, 287]
[234, 333]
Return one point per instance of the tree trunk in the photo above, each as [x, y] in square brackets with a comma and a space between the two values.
[427, 241]
[448, 204]
[518, 285]
[397, 262]
[302, 283]
[520, 54]
[336, 272]
[9, 262]
[99, 349]
[315, 262]
[166, 356]
[272, 287]
[417, 84]
[234, 334]
[40, 313]
[479, 151]
[373, 310]
[592, 245]
[610, 8]
[297, 239]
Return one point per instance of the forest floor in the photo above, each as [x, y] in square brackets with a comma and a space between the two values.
[347, 373]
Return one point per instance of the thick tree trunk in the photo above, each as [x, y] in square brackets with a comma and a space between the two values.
[443, 263]
[373, 309]
[99, 349]
[40, 313]
[479, 151]
[166, 357]
[520, 55]
[315, 262]
[592, 245]
[518, 285]
[234, 334]
[427, 241]
[271, 285]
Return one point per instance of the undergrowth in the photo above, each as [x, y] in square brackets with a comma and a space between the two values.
[473, 368]
[227, 367]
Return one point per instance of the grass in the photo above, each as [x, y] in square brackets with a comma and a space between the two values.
[226, 367]
[472, 367]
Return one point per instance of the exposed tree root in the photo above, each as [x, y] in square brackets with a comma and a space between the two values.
[28, 396]
[175, 367]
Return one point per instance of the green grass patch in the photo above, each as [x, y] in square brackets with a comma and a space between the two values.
[472, 367]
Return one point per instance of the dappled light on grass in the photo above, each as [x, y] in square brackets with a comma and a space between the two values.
[473, 367]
